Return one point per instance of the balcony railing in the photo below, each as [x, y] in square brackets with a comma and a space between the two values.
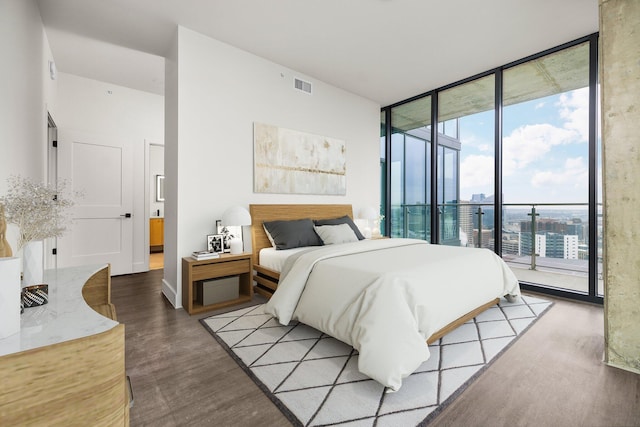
[544, 243]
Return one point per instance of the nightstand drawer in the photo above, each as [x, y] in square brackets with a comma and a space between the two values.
[220, 269]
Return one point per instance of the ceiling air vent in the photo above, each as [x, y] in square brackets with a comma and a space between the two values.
[302, 85]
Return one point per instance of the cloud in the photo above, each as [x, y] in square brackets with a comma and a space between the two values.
[532, 142]
[574, 110]
[539, 105]
[477, 171]
[529, 143]
[574, 176]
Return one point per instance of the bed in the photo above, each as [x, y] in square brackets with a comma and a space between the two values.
[385, 297]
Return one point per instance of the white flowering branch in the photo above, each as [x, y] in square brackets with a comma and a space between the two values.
[39, 210]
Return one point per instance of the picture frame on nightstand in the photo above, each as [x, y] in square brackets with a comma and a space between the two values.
[215, 243]
[229, 232]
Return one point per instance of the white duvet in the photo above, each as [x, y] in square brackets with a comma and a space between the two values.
[386, 297]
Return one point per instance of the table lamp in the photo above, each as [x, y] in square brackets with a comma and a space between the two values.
[236, 216]
[369, 213]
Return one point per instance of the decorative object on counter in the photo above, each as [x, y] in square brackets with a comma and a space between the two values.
[35, 295]
[5, 249]
[236, 216]
[33, 262]
[9, 296]
[40, 212]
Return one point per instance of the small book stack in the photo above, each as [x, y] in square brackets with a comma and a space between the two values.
[200, 255]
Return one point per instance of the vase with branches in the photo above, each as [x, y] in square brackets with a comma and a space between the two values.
[40, 211]
[5, 249]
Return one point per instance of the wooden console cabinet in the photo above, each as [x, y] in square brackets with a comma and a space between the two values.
[227, 265]
[67, 364]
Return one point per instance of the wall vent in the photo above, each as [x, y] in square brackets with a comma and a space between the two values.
[302, 85]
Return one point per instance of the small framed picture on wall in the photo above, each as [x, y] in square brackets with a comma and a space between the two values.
[215, 243]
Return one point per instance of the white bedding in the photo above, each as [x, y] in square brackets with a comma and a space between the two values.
[386, 297]
[275, 259]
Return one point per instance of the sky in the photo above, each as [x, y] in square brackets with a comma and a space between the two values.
[545, 151]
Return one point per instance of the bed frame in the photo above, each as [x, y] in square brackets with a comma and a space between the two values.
[267, 279]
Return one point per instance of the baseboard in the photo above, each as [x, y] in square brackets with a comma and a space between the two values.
[171, 294]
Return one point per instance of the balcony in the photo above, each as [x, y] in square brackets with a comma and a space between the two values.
[544, 244]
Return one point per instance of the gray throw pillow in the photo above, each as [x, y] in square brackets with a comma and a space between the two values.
[293, 234]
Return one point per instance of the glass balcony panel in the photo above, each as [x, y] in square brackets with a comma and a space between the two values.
[418, 221]
[553, 250]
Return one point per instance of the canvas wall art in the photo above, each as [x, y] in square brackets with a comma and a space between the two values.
[294, 162]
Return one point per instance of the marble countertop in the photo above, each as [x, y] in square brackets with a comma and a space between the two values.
[65, 317]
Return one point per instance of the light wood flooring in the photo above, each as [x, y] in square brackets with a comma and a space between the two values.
[156, 260]
[551, 376]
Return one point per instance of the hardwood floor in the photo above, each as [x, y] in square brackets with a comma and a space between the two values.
[551, 376]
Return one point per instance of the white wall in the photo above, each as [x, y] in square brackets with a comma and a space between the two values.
[171, 288]
[117, 112]
[214, 93]
[26, 93]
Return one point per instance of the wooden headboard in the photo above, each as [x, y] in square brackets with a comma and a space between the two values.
[262, 213]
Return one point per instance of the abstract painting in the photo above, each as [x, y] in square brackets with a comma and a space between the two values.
[294, 162]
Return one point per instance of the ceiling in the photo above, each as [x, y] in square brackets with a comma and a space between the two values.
[383, 50]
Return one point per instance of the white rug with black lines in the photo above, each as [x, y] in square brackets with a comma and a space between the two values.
[314, 378]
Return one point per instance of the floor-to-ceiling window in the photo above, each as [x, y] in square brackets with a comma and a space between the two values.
[466, 145]
[545, 169]
[410, 191]
[515, 168]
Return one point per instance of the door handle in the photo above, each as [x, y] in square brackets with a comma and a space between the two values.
[127, 215]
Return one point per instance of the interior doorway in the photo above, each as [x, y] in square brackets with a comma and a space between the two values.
[156, 203]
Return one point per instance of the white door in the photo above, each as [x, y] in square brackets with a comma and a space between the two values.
[100, 168]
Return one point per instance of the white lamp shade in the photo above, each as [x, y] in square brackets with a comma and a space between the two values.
[236, 215]
[369, 213]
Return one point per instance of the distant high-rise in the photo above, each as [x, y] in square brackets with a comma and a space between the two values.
[466, 222]
[571, 247]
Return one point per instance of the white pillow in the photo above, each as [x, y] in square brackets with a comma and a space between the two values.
[334, 234]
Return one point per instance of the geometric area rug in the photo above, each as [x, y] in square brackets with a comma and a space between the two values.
[314, 379]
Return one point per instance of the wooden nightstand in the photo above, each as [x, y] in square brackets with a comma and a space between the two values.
[227, 265]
